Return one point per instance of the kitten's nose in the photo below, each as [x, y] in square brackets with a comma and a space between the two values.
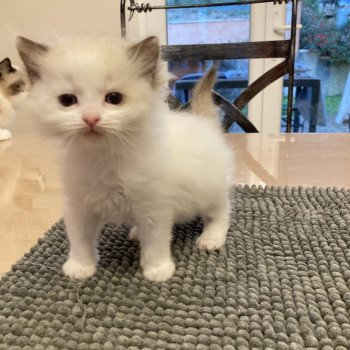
[91, 120]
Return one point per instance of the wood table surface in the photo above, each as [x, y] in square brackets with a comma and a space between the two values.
[30, 193]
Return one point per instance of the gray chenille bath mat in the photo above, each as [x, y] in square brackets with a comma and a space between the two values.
[282, 281]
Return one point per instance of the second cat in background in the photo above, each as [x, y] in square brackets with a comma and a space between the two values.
[12, 87]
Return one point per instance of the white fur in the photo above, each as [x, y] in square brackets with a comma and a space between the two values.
[150, 168]
[6, 113]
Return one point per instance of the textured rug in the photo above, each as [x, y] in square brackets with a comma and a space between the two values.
[281, 282]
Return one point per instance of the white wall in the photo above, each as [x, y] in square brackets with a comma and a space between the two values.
[45, 20]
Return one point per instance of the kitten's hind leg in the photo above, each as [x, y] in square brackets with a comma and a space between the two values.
[216, 225]
[83, 230]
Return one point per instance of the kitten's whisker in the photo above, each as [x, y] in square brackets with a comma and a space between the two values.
[117, 129]
[121, 137]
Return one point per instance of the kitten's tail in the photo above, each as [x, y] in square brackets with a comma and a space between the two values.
[202, 101]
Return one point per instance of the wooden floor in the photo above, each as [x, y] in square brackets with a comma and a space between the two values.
[30, 196]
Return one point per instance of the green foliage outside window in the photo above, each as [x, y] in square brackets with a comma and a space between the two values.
[321, 34]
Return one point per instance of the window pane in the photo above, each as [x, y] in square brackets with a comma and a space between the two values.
[218, 24]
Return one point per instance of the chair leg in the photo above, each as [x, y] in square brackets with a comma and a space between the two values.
[296, 120]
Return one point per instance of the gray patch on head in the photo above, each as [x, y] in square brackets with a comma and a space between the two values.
[16, 87]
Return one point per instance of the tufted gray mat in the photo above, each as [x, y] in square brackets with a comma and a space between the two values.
[281, 282]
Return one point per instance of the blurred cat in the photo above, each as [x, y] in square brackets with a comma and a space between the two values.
[128, 159]
[12, 84]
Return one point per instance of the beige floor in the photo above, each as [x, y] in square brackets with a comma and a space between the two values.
[30, 199]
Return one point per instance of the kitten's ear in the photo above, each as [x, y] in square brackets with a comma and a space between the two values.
[30, 52]
[146, 54]
[5, 66]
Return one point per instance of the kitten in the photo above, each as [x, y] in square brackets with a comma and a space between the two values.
[128, 159]
[12, 85]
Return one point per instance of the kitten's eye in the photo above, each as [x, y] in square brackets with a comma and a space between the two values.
[114, 98]
[67, 100]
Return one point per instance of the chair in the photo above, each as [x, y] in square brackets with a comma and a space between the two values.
[264, 49]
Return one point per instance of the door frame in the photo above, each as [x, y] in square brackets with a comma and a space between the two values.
[265, 109]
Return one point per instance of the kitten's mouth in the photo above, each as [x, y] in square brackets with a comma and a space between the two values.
[93, 132]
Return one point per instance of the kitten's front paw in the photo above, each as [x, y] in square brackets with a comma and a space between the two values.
[210, 243]
[5, 134]
[74, 269]
[159, 273]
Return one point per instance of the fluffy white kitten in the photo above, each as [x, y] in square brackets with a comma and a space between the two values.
[128, 158]
[12, 87]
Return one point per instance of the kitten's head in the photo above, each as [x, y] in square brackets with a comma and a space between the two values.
[89, 87]
[12, 81]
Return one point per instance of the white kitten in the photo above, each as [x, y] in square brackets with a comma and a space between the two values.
[128, 158]
[12, 86]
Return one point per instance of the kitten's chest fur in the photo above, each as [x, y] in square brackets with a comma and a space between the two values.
[99, 183]
[109, 199]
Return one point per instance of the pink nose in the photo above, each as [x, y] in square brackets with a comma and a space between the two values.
[91, 120]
